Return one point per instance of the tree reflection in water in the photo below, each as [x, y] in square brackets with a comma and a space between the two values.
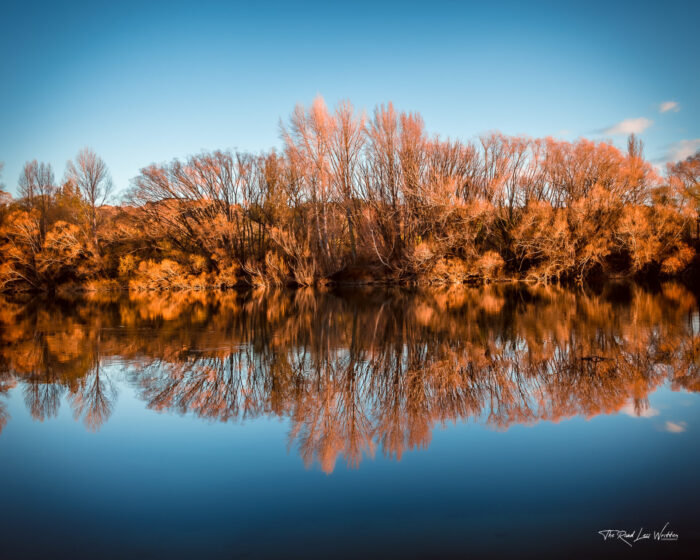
[359, 370]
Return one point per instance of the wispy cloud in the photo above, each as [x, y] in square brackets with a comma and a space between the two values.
[629, 126]
[675, 428]
[667, 106]
[683, 149]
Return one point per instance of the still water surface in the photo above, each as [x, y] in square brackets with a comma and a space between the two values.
[493, 422]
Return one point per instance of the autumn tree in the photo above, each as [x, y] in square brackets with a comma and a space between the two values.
[351, 198]
[37, 186]
[308, 139]
[42, 244]
[685, 178]
[90, 175]
[392, 180]
[346, 144]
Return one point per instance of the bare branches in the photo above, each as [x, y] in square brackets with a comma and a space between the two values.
[365, 199]
[90, 175]
[37, 186]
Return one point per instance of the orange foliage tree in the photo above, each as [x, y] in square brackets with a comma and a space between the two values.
[357, 198]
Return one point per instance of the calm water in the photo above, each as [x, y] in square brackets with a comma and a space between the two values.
[453, 423]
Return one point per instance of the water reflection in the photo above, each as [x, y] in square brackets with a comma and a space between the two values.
[359, 371]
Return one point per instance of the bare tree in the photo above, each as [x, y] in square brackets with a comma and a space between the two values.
[308, 147]
[685, 177]
[89, 173]
[347, 142]
[37, 185]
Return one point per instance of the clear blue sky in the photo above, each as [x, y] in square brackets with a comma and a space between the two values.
[149, 81]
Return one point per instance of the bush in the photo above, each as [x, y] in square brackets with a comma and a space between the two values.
[163, 275]
[490, 266]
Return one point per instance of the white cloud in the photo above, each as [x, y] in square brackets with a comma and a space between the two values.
[630, 126]
[643, 412]
[667, 106]
[683, 149]
[675, 428]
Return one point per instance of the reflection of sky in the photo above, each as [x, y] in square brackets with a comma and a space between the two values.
[149, 81]
[185, 487]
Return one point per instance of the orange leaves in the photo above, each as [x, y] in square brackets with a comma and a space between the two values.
[543, 242]
[685, 178]
[633, 232]
[490, 266]
[30, 262]
[678, 260]
[352, 197]
[63, 243]
[656, 235]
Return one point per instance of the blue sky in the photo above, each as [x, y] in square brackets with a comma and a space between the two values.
[147, 82]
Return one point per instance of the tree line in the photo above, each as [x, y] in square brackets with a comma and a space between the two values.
[356, 198]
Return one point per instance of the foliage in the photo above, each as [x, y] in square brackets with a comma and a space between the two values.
[356, 197]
